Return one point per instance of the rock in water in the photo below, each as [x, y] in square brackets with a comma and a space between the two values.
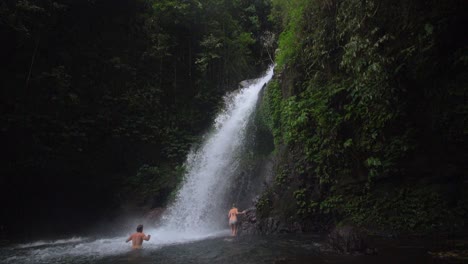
[348, 239]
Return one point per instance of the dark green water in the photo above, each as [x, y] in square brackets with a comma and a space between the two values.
[245, 250]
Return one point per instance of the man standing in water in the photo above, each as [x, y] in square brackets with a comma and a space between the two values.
[138, 237]
[232, 215]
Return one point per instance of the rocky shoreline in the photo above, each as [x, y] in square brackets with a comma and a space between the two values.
[350, 239]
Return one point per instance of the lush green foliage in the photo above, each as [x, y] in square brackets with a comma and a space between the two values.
[409, 210]
[289, 15]
[264, 204]
[94, 90]
[369, 92]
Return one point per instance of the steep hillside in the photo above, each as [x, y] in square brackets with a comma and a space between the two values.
[368, 112]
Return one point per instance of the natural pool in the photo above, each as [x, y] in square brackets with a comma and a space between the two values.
[214, 248]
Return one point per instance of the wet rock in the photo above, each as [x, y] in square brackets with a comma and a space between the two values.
[275, 225]
[248, 221]
[295, 228]
[251, 224]
[271, 225]
[348, 239]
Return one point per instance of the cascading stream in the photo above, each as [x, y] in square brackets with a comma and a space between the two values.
[200, 206]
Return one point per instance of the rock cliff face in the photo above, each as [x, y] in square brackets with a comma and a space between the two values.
[252, 224]
[346, 239]
[366, 132]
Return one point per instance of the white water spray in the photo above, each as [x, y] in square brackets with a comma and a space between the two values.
[200, 204]
[199, 210]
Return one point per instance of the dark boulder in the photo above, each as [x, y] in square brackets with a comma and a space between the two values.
[248, 222]
[348, 239]
[251, 224]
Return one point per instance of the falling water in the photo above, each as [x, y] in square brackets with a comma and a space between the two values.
[200, 205]
[199, 210]
[199, 213]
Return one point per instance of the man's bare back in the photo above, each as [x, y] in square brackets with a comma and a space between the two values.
[138, 237]
[233, 215]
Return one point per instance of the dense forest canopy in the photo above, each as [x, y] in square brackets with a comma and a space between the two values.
[101, 100]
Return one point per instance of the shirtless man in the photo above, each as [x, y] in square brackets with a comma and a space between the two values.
[138, 237]
[232, 215]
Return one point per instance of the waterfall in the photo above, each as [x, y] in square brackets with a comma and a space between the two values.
[200, 205]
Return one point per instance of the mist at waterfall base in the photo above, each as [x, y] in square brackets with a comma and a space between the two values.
[200, 208]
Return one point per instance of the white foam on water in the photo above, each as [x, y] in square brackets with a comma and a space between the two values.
[48, 242]
[59, 250]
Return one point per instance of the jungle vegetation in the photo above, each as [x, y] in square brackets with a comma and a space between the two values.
[101, 100]
[370, 102]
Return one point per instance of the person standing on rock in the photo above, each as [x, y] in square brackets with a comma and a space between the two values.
[232, 215]
[138, 237]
